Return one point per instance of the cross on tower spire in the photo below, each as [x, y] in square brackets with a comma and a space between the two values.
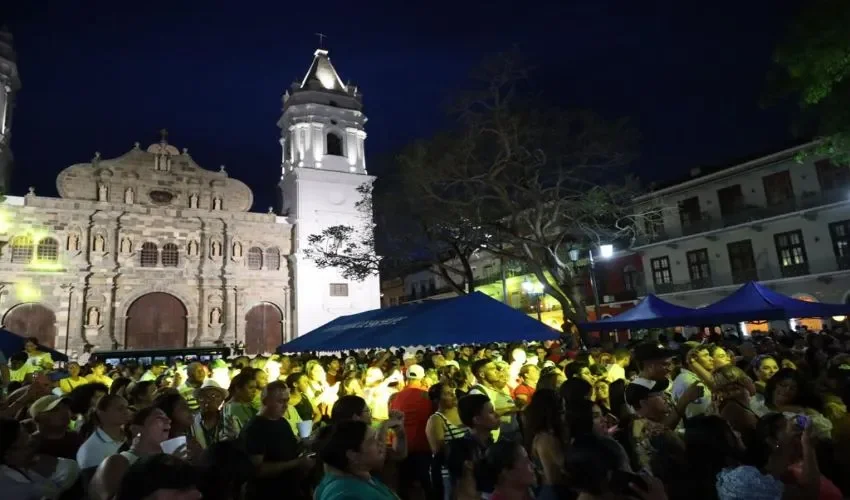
[163, 136]
[322, 37]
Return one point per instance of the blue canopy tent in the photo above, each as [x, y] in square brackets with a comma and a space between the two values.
[651, 312]
[11, 343]
[468, 319]
[754, 301]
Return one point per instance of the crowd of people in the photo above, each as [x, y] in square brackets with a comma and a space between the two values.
[722, 418]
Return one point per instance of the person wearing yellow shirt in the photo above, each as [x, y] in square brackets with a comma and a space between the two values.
[19, 368]
[98, 374]
[67, 385]
[35, 357]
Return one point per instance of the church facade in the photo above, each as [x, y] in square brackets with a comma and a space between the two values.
[151, 250]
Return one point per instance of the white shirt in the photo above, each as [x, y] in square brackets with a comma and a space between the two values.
[615, 373]
[685, 379]
[96, 448]
[83, 359]
[34, 486]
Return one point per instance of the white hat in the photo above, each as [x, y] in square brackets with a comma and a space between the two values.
[210, 384]
[415, 372]
[408, 355]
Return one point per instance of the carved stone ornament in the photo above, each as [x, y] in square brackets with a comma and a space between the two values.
[93, 317]
[99, 243]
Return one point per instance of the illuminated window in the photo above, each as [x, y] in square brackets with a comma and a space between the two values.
[334, 144]
[48, 250]
[273, 258]
[22, 249]
[148, 256]
[170, 255]
[339, 289]
[255, 258]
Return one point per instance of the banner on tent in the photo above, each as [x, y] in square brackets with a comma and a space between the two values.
[366, 324]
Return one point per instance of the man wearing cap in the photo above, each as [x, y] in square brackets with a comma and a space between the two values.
[52, 415]
[414, 402]
[655, 363]
[156, 369]
[210, 424]
[650, 430]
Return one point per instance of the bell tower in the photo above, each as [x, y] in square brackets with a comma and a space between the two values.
[323, 166]
[9, 85]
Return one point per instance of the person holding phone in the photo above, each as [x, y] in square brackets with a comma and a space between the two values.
[697, 363]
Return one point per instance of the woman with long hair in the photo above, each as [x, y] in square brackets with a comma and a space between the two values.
[443, 427]
[148, 428]
[177, 410]
[546, 435]
[791, 393]
[734, 400]
[104, 431]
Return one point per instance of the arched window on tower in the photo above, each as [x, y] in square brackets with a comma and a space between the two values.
[47, 250]
[170, 255]
[272, 258]
[149, 257]
[22, 249]
[255, 258]
[334, 144]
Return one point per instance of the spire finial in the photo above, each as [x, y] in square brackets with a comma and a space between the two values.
[322, 37]
[164, 136]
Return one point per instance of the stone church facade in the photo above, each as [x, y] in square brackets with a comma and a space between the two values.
[145, 250]
[151, 250]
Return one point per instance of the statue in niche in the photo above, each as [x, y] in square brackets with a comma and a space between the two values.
[126, 245]
[193, 248]
[102, 192]
[99, 243]
[193, 200]
[93, 317]
[237, 249]
[215, 249]
[216, 203]
[129, 196]
[215, 316]
[73, 241]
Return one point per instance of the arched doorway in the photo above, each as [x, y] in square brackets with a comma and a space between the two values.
[263, 328]
[155, 320]
[32, 320]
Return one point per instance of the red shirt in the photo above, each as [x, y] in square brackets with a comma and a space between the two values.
[416, 406]
[524, 390]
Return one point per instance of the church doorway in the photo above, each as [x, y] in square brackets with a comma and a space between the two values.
[32, 320]
[155, 320]
[263, 329]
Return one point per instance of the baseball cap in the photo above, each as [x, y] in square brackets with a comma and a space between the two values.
[642, 388]
[415, 372]
[45, 404]
[650, 351]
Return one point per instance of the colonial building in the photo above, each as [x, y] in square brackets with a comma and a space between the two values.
[151, 250]
[775, 219]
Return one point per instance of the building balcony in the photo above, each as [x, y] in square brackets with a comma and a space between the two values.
[762, 272]
[745, 214]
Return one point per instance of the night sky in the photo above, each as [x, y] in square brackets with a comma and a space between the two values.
[100, 75]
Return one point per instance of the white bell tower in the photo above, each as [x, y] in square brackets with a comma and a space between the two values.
[323, 165]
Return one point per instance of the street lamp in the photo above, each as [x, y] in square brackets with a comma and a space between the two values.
[535, 290]
[606, 252]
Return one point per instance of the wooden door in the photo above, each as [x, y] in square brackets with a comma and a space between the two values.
[263, 329]
[32, 320]
[156, 320]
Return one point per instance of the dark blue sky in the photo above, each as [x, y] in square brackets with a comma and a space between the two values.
[100, 75]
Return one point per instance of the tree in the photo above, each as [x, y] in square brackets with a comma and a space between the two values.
[813, 65]
[539, 182]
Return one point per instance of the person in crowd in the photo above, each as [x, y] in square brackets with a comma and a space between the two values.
[602, 393]
[414, 403]
[318, 391]
[720, 356]
[210, 425]
[492, 382]
[350, 384]
[697, 365]
[83, 399]
[25, 475]
[279, 461]
[37, 357]
[84, 357]
[350, 452]
[298, 383]
[98, 374]
[182, 421]
[791, 393]
[507, 466]
[243, 390]
[443, 427]
[19, 369]
[141, 394]
[52, 416]
[262, 380]
[546, 435]
[333, 373]
[477, 413]
[148, 428]
[377, 392]
[104, 432]
[764, 367]
[158, 477]
[73, 380]
[593, 472]
[528, 377]
[651, 431]
[196, 374]
[551, 377]
[119, 386]
[464, 380]
[617, 368]
[156, 370]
